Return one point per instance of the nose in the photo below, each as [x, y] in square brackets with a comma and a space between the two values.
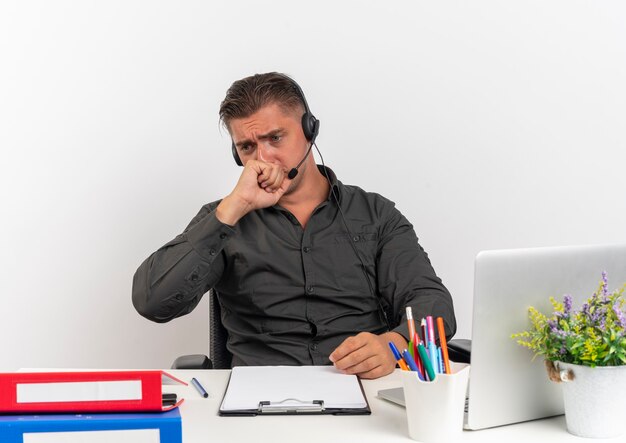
[263, 152]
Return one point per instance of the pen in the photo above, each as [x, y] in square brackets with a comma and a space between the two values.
[410, 321]
[398, 357]
[444, 345]
[196, 384]
[411, 363]
[428, 367]
[409, 360]
[424, 330]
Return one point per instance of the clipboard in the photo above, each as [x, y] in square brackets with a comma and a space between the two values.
[292, 390]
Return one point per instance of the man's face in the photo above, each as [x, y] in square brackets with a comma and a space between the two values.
[270, 135]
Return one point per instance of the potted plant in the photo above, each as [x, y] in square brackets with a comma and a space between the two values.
[585, 349]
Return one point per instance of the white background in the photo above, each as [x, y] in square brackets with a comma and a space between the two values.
[491, 124]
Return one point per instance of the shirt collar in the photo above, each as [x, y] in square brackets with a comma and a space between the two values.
[334, 183]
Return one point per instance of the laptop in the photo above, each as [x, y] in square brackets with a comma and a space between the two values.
[505, 385]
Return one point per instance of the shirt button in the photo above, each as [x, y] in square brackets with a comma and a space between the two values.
[313, 347]
[179, 296]
[310, 289]
[307, 249]
[194, 277]
[212, 251]
[356, 238]
[223, 236]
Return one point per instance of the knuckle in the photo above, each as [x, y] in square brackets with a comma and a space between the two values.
[350, 343]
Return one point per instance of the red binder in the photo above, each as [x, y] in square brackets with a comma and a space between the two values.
[101, 391]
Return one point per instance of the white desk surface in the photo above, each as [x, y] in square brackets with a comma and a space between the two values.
[387, 423]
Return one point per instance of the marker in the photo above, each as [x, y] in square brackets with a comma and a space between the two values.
[416, 355]
[410, 321]
[441, 369]
[398, 357]
[424, 330]
[427, 364]
[444, 345]
[431, 329]
[196, 384]
[432, 347]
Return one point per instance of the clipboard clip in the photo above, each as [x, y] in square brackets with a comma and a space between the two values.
[291, 406]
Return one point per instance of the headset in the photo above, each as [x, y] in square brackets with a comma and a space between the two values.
[310, 127]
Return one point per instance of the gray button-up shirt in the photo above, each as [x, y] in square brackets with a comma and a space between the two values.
[289, 295]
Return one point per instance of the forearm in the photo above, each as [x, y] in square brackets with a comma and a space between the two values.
[407, 278]
[171, 282]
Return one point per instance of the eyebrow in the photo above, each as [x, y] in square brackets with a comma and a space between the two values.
[272, 133]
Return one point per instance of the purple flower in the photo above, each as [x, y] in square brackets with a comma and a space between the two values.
[605, 286]
[555, 331]
[585, 310]
[595, 316]
[620, 315]
[567, 304]
[552, 325]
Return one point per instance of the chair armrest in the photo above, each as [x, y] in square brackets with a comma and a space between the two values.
[460, 350]
[192, 361]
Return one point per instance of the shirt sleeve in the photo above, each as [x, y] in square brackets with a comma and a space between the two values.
[171, 282]
[407, 278]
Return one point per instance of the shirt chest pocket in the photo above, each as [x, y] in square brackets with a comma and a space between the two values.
[365, 243]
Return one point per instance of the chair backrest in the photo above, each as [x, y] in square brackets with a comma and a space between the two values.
[218, 336]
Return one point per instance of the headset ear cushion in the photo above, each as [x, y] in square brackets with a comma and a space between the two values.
[310, 126]
[236, 155]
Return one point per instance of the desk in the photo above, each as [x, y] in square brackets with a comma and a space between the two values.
[201, 422]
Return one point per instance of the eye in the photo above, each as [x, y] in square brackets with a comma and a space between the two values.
[276, 138]
[245, 148]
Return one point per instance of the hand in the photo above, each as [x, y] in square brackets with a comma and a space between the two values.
[260, 185]
[367, 355]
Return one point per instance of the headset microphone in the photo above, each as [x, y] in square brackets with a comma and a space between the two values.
[294, 171]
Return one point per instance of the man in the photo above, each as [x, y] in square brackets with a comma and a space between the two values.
[308, 270]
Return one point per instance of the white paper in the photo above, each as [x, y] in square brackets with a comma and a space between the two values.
[78, 391]
[117, 436]
[250, 385]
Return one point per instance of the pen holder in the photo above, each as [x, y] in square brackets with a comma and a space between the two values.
[435, 409]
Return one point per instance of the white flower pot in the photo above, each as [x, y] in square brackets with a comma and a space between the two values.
[594, 399]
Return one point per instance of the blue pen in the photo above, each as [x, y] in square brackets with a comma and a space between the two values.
[196, 384]
[412, 366]
[398, 357]
[409, 361]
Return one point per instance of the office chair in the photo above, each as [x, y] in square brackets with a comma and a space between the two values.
[219, 356]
